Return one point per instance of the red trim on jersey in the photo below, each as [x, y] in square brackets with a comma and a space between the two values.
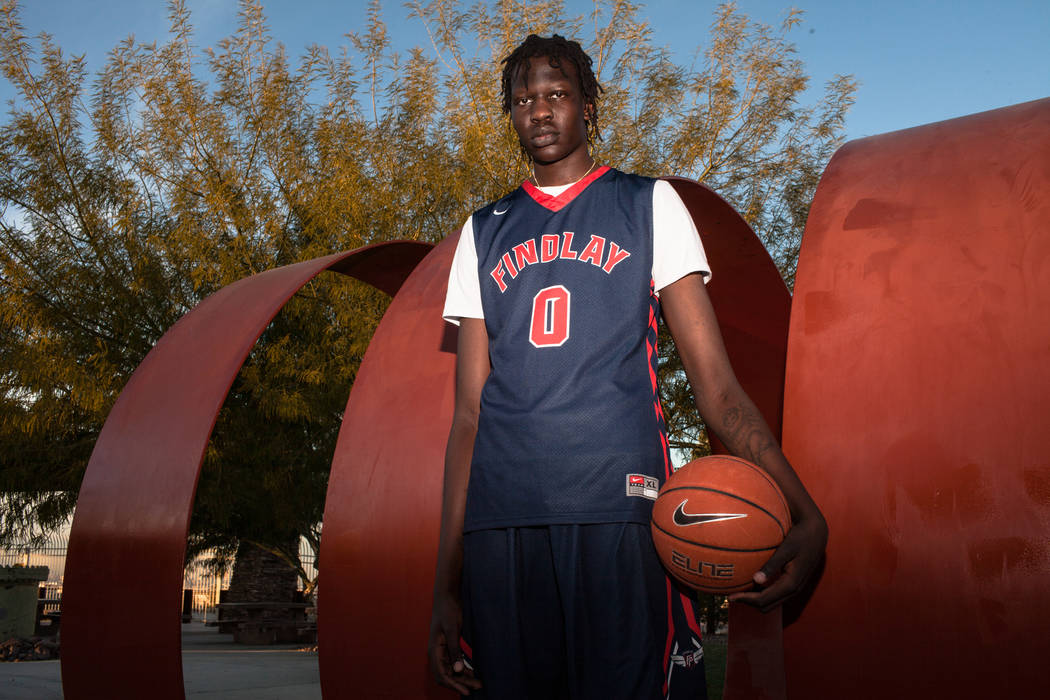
[670, 636]
[651, 350]
[690, 616]
[555, 203]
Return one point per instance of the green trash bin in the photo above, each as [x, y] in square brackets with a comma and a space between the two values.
[18, 600]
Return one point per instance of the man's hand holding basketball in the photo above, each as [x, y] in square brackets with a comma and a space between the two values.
[735, 419]
[791, 566]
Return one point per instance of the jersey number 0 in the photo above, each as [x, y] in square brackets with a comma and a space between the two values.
[550, 317]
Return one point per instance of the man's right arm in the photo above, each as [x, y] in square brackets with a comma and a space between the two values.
[472, 369]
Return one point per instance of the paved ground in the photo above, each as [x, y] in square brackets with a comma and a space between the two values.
[213, 668]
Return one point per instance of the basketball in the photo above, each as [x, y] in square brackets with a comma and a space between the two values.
[716, 521]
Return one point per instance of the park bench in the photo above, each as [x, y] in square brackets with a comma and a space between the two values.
[266, 622]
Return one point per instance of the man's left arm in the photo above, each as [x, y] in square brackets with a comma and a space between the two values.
[729, 412]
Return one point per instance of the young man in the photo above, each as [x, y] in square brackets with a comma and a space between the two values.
[546, 568]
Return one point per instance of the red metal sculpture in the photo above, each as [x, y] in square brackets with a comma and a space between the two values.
[916, 409]
[122, 597]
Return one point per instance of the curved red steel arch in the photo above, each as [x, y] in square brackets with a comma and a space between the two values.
[916, 409]
[122, 595]
[127, 546]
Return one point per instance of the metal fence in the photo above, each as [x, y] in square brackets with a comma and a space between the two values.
[52, 554]
[206, 582]
[206, 585]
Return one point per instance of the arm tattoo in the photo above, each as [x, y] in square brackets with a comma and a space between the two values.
[745, 433]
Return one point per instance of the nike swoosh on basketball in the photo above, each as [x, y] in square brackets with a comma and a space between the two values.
[683, 519]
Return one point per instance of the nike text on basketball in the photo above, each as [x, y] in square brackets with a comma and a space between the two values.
[643, 485]
[706, 569]
[556, 246]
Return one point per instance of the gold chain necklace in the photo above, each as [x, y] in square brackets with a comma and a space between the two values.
[536, 182]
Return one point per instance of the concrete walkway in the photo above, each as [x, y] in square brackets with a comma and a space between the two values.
[213, 668]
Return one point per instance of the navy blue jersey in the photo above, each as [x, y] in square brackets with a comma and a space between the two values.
[570, 429]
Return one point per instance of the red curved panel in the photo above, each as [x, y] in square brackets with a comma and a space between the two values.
[751, 301]
[916, 410]
[127, 545]
[383, 508]
[384, 493]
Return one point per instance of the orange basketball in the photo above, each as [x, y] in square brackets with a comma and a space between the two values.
[716, 521]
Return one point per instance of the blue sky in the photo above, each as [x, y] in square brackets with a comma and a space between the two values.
[917, 61]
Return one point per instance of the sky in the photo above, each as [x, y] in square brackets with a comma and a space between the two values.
[916, 61]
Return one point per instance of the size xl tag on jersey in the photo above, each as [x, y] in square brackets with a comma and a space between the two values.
[643, 486]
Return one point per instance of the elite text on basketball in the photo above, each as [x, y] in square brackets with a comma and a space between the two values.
[701, 568]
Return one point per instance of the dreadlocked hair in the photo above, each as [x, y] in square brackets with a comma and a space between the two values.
[556, 49]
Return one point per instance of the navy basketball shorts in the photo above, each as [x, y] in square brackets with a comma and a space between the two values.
[577, 612]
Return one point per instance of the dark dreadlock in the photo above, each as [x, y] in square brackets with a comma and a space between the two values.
[557, 49]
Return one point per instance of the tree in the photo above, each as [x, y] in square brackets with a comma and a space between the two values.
[179, 171]
[122, 213]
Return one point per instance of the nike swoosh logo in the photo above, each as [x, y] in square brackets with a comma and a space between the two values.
[500, 213]
[683, 519]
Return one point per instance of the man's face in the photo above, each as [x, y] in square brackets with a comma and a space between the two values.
[547, 111]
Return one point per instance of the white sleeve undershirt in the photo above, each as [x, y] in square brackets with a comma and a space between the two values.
[677, 252]
[463, 299]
